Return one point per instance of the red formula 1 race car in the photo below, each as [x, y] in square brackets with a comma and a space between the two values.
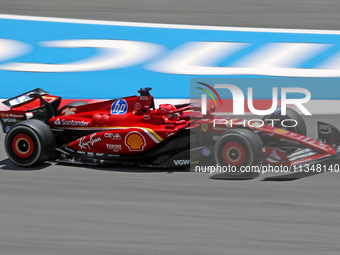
[131, 131]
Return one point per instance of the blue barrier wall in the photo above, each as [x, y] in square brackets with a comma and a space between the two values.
[76, 59]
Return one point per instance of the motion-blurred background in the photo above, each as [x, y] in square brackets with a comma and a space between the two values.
[75, 210]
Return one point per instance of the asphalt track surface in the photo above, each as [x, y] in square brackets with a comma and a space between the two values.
[62, 209]
[311, 14]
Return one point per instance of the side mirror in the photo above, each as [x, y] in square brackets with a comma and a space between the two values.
[144, 91]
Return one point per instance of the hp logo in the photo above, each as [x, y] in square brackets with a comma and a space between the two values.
[119, 106]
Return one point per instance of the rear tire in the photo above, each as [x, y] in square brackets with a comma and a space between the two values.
[237, 149]
[29, 143]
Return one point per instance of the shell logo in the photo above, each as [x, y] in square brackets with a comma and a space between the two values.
[135, 141]
[280, 131]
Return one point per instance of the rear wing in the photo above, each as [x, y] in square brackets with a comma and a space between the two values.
[24, 98]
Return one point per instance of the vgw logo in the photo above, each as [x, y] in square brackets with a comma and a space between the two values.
[119, 106]
[238, 99]
[182, 162]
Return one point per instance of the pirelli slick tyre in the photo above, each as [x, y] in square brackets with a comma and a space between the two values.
[239, 153]
[292, 119]
[29, 143]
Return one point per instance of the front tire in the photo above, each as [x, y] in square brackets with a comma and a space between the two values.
[29, 143]
[300, 128]
[237, 151]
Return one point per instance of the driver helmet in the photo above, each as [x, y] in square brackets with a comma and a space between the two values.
[165, 108]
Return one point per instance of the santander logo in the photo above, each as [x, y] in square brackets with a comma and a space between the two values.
[64, 122]
[57, 122]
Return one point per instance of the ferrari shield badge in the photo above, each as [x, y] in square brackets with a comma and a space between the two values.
[204, 127]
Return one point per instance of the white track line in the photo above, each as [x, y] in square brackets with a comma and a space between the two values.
[159, 25]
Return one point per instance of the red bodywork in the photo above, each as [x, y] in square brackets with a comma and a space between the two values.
[123, 126]
[132, 125]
